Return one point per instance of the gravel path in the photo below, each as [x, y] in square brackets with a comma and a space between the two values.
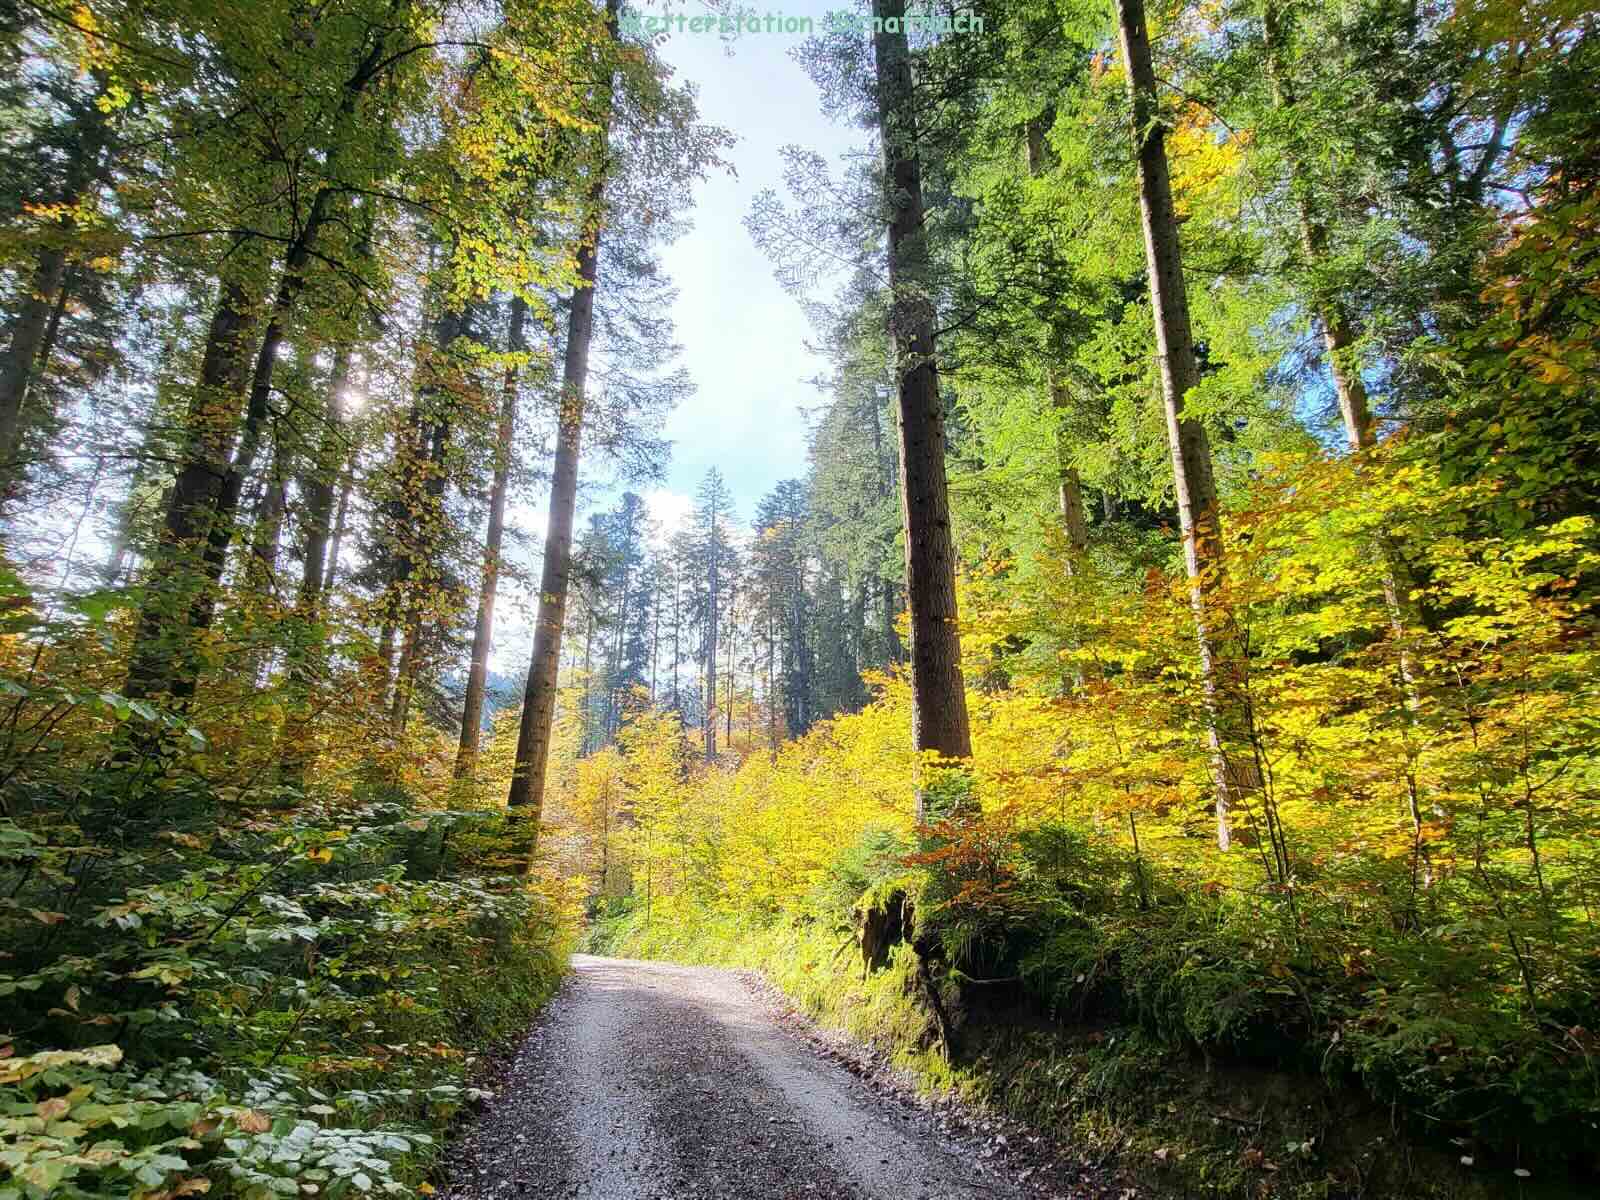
[644, 1081]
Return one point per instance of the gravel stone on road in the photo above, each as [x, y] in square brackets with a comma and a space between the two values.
[646, 1080]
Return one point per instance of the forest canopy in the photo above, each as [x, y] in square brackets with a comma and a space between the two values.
[1185, 612]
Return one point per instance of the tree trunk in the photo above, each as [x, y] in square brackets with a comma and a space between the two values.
[710, 723]
[306, 650]
[772, 696]
[939, 706]
[33, 326]
[1338, 339]
[892, 650]
[655, 633]
[482, 631]
[422, 553]
[318, 488]
[206, 498]
[1222, 663]
[164, 658]
[733, 634]
[341, 523]
[539, 699]
[28, 331]
[262, 568]
[1069, 489]
[677, 627]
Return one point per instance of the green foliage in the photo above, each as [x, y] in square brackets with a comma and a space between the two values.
[267, 1003]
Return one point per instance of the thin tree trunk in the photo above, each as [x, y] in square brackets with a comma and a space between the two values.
[1338, 336]
[539, 699]
[206, 498]
[318, 488]
[482, 632]
[306, 654]
[33, 326]
[655, 634]
[939, 707]
[262, 567]
[1222, 665]
[341, 523]
[677, 625]
[710, 723]
[261, 563]
[1069, 489]
[772, 695]
[28, 330]
[427, 529]
[733, 633]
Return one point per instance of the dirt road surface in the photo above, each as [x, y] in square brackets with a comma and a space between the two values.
[644, 1081]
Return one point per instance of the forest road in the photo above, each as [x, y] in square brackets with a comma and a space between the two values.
[645, 1080]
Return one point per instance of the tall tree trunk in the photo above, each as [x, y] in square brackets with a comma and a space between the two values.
[733, 634]
[306, 650]
[892, 650]
[677, 625]
[324, 474]
[1222, 664]
[939, 706]
[710, 723]
[1338, 335]
[483, 629]
[341, 523]
[28, 330]
[1069, 488]
[32, 327]
[427, 525]
[539, 697]
[262, 568]
[655, 633]
[164, 657]
[772, 696]
[206, 497]
[585, 745]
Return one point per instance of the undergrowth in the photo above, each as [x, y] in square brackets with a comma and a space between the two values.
[273, 996]
[1184, 1038]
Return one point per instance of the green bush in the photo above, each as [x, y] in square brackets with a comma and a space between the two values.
[286, 1002]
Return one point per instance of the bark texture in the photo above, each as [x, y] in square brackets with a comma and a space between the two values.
[539, 697]
[1222, 662]
[939, 707]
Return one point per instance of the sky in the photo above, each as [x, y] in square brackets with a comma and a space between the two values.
[744, 339]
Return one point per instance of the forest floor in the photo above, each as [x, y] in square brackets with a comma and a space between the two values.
[649, 1080]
